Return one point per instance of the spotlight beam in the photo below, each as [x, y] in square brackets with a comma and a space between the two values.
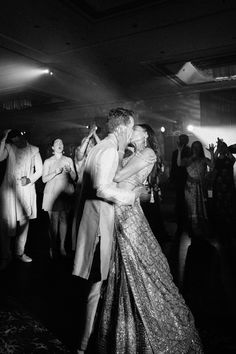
[15, 75]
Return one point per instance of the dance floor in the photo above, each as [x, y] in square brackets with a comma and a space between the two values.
[41, 306]
[21, 333]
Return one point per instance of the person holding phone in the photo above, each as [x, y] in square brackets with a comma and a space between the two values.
[17, 193]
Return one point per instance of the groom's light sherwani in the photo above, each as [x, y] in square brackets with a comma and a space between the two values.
[100, 193]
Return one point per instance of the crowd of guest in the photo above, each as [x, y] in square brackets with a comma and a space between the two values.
[62, 177]
[205, 187]
[204, 190]
[205, 197]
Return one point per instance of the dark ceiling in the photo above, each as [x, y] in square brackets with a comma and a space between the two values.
[110, 53]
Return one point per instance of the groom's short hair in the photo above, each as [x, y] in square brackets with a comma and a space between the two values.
[118, 116]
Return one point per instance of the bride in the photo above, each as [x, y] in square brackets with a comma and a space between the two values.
[143, 311]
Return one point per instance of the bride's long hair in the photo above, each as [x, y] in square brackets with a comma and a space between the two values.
[152, 142]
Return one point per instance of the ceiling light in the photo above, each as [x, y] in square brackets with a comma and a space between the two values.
[190, 128]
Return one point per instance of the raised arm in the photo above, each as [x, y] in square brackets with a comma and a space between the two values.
[232, 148]
[139, 161]
[81, 150]
[96, 137]
[3, 149]
[230, 155]
[182, 162]
[211, 162]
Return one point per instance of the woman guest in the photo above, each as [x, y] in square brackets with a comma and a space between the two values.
[195, 188]
[58, 174]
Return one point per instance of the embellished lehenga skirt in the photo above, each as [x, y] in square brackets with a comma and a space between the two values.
[142, 310]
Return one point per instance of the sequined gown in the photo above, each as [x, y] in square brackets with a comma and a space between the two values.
[143, 311]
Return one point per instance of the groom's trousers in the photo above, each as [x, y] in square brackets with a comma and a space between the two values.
[92, 298]
[91, 308]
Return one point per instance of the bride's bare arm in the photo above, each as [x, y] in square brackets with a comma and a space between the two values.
[135, 164]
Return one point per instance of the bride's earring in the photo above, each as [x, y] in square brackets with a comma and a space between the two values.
[145, 141]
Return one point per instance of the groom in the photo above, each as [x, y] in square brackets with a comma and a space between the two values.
[100, 193]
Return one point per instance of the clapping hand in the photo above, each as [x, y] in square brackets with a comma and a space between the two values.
[67, 168]
[92, 130]
[58, 170]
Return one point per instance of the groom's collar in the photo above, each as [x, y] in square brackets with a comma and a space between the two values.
[113, 138]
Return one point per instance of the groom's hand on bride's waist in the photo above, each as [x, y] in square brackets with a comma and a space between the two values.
[141, 190]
